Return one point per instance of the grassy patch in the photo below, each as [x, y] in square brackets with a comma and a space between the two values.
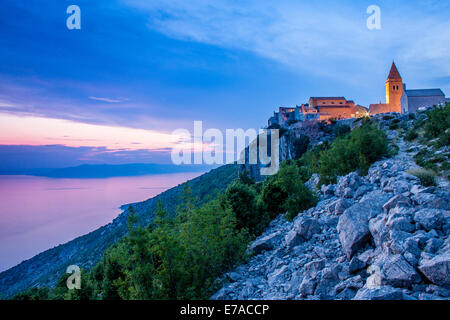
[427, 177]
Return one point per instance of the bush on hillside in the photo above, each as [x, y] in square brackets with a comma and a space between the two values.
[273, 196]
[286, 192]
[300, 145]
[342, 130]
[243, 201]
[438, 121]
[364, 146]
[411, 135]
[245, 178]
[427, 177]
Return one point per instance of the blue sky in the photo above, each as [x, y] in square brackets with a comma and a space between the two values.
[160, 65]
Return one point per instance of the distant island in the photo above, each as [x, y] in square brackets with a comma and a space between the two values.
[87, 171]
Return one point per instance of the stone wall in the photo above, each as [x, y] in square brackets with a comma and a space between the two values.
[415, 103]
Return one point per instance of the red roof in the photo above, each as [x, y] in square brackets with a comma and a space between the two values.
[394, 74]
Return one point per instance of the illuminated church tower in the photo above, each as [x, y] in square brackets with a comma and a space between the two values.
[394, 90]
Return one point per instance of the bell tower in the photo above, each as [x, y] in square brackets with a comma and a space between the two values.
[394, 90]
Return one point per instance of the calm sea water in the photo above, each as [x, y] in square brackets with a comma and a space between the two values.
[39, 213]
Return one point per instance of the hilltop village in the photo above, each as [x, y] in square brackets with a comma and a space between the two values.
[398, 99]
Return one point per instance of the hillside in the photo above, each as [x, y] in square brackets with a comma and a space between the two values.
[85, 251]
[380, 236]
[358, 210]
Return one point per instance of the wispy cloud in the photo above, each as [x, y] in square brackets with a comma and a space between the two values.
[326, 37]
[109, 100]
[76, 134]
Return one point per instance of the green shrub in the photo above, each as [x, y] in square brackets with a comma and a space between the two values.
[299, 197]
[283, 131]
[286, 191]
[33, 294]
[394, 126]
[273, 197]
[243, 201]
[438, 121]
[427, 177]
[411, 135]
[438, 158]
[445, 165]
[274, 126]
[300, 145]
[244, 177]
[423, 159]
[394, 149]
[418, 124]
[358, 151]
[342, 130]
[325, 127]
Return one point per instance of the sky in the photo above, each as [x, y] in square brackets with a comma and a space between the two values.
[114, 91]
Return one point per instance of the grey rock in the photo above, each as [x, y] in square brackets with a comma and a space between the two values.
[351, 181]
[222, 294]
[429, 218]
[379, 238]
[411, 259]
[401, 224]
[382, 293]
[436, 290]
[367, 256]
[412, 246]
[362, 190]
[328, 190]
[338, 207]
[346, 294]
[433, 245]
[313, 182]
[427, 296]
[354, 283]
[378, 230]
[304, 229]
[397, 272]
[353, 226]
[325, 288]
[423, 198]
[266, 243]
[312, 268]
[307, 287]
[277, 276]
[348, 193]
[234, 276]
[395, 201]
[416, 189]
[421, 237]
[434, 201]
[356, 265]
[397, 241]
[437, 269]
[400, 186]
[353, 233]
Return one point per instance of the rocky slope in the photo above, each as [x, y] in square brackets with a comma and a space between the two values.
[382, 236]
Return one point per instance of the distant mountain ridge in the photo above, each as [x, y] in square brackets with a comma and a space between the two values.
[86, 171]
